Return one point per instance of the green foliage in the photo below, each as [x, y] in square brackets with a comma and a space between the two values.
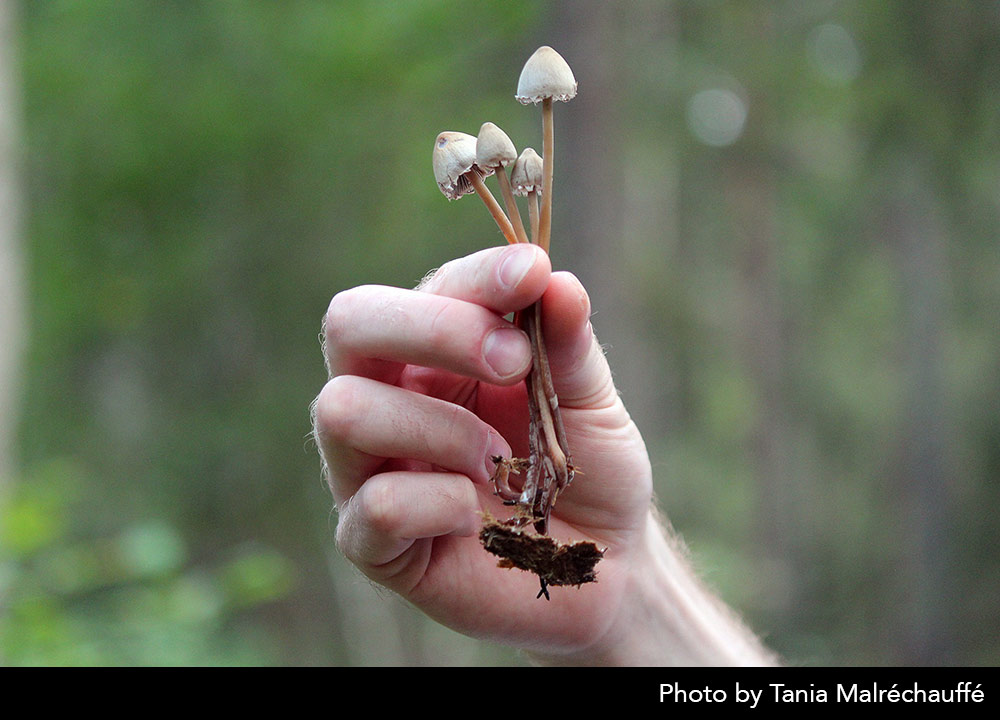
[130, 598]
[203, 177]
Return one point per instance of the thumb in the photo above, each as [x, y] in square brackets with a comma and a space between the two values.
[580, 372]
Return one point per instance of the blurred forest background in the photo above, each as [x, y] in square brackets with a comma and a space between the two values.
[786, 213]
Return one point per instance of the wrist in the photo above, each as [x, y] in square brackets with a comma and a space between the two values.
[668, 617]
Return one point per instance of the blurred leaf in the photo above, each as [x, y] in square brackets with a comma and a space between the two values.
[151, 549]
[258, 575]
[35, 514]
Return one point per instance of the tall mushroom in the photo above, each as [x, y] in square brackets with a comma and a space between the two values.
[546, 76]
[494, 152]
[457, 174]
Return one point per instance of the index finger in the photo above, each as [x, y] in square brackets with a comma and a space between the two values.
[447, 323]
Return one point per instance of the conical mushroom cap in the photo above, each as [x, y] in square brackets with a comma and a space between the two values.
[545, 75]
[526, 175]
[454, 157]
[494, 148]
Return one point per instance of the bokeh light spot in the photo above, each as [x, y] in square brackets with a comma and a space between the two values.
[717, 116]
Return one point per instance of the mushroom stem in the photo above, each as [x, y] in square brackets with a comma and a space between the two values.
[533, 214]
[548, 389]
[494, 207]
[508, 197]
[551, 468]
[548, 152]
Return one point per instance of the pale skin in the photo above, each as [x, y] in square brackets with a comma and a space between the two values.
[426, 385]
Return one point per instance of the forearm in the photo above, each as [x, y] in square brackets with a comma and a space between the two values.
[668, 617]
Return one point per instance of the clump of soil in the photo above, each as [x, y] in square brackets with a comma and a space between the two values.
[554, 563]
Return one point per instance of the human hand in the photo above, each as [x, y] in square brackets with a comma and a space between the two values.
[426, 386]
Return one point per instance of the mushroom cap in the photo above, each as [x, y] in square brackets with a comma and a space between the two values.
[453, 159]
[545, 75]
[526, 175]
[494, 148]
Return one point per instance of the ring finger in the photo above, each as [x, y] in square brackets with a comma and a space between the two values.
[360, 423]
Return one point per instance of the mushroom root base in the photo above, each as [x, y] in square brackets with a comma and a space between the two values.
[555, 563]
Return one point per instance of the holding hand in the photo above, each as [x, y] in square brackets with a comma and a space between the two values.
[426, 386]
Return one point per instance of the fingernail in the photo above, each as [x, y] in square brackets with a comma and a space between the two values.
[515, 265]
[506, 351]
[495, 447]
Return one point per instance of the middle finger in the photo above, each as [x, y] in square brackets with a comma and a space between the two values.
[369, 325]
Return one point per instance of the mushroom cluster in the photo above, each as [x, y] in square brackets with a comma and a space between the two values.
[461, 165]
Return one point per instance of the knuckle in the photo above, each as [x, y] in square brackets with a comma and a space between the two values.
[377, 506]
[435, 279]
[457, 330]
[338, 315]
[338, 407]
[441, 325]
[459, 433]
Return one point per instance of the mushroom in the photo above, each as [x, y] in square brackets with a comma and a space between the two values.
[494, 152]
[461, 163]
[526, 177]
[546, 76]
[457, 174]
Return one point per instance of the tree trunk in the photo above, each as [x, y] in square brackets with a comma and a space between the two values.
[766, 348]
[12, 275]
[915, 231]
[605, 228]
[12, 303]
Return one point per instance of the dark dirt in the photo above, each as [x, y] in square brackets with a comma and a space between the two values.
[555, 563]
